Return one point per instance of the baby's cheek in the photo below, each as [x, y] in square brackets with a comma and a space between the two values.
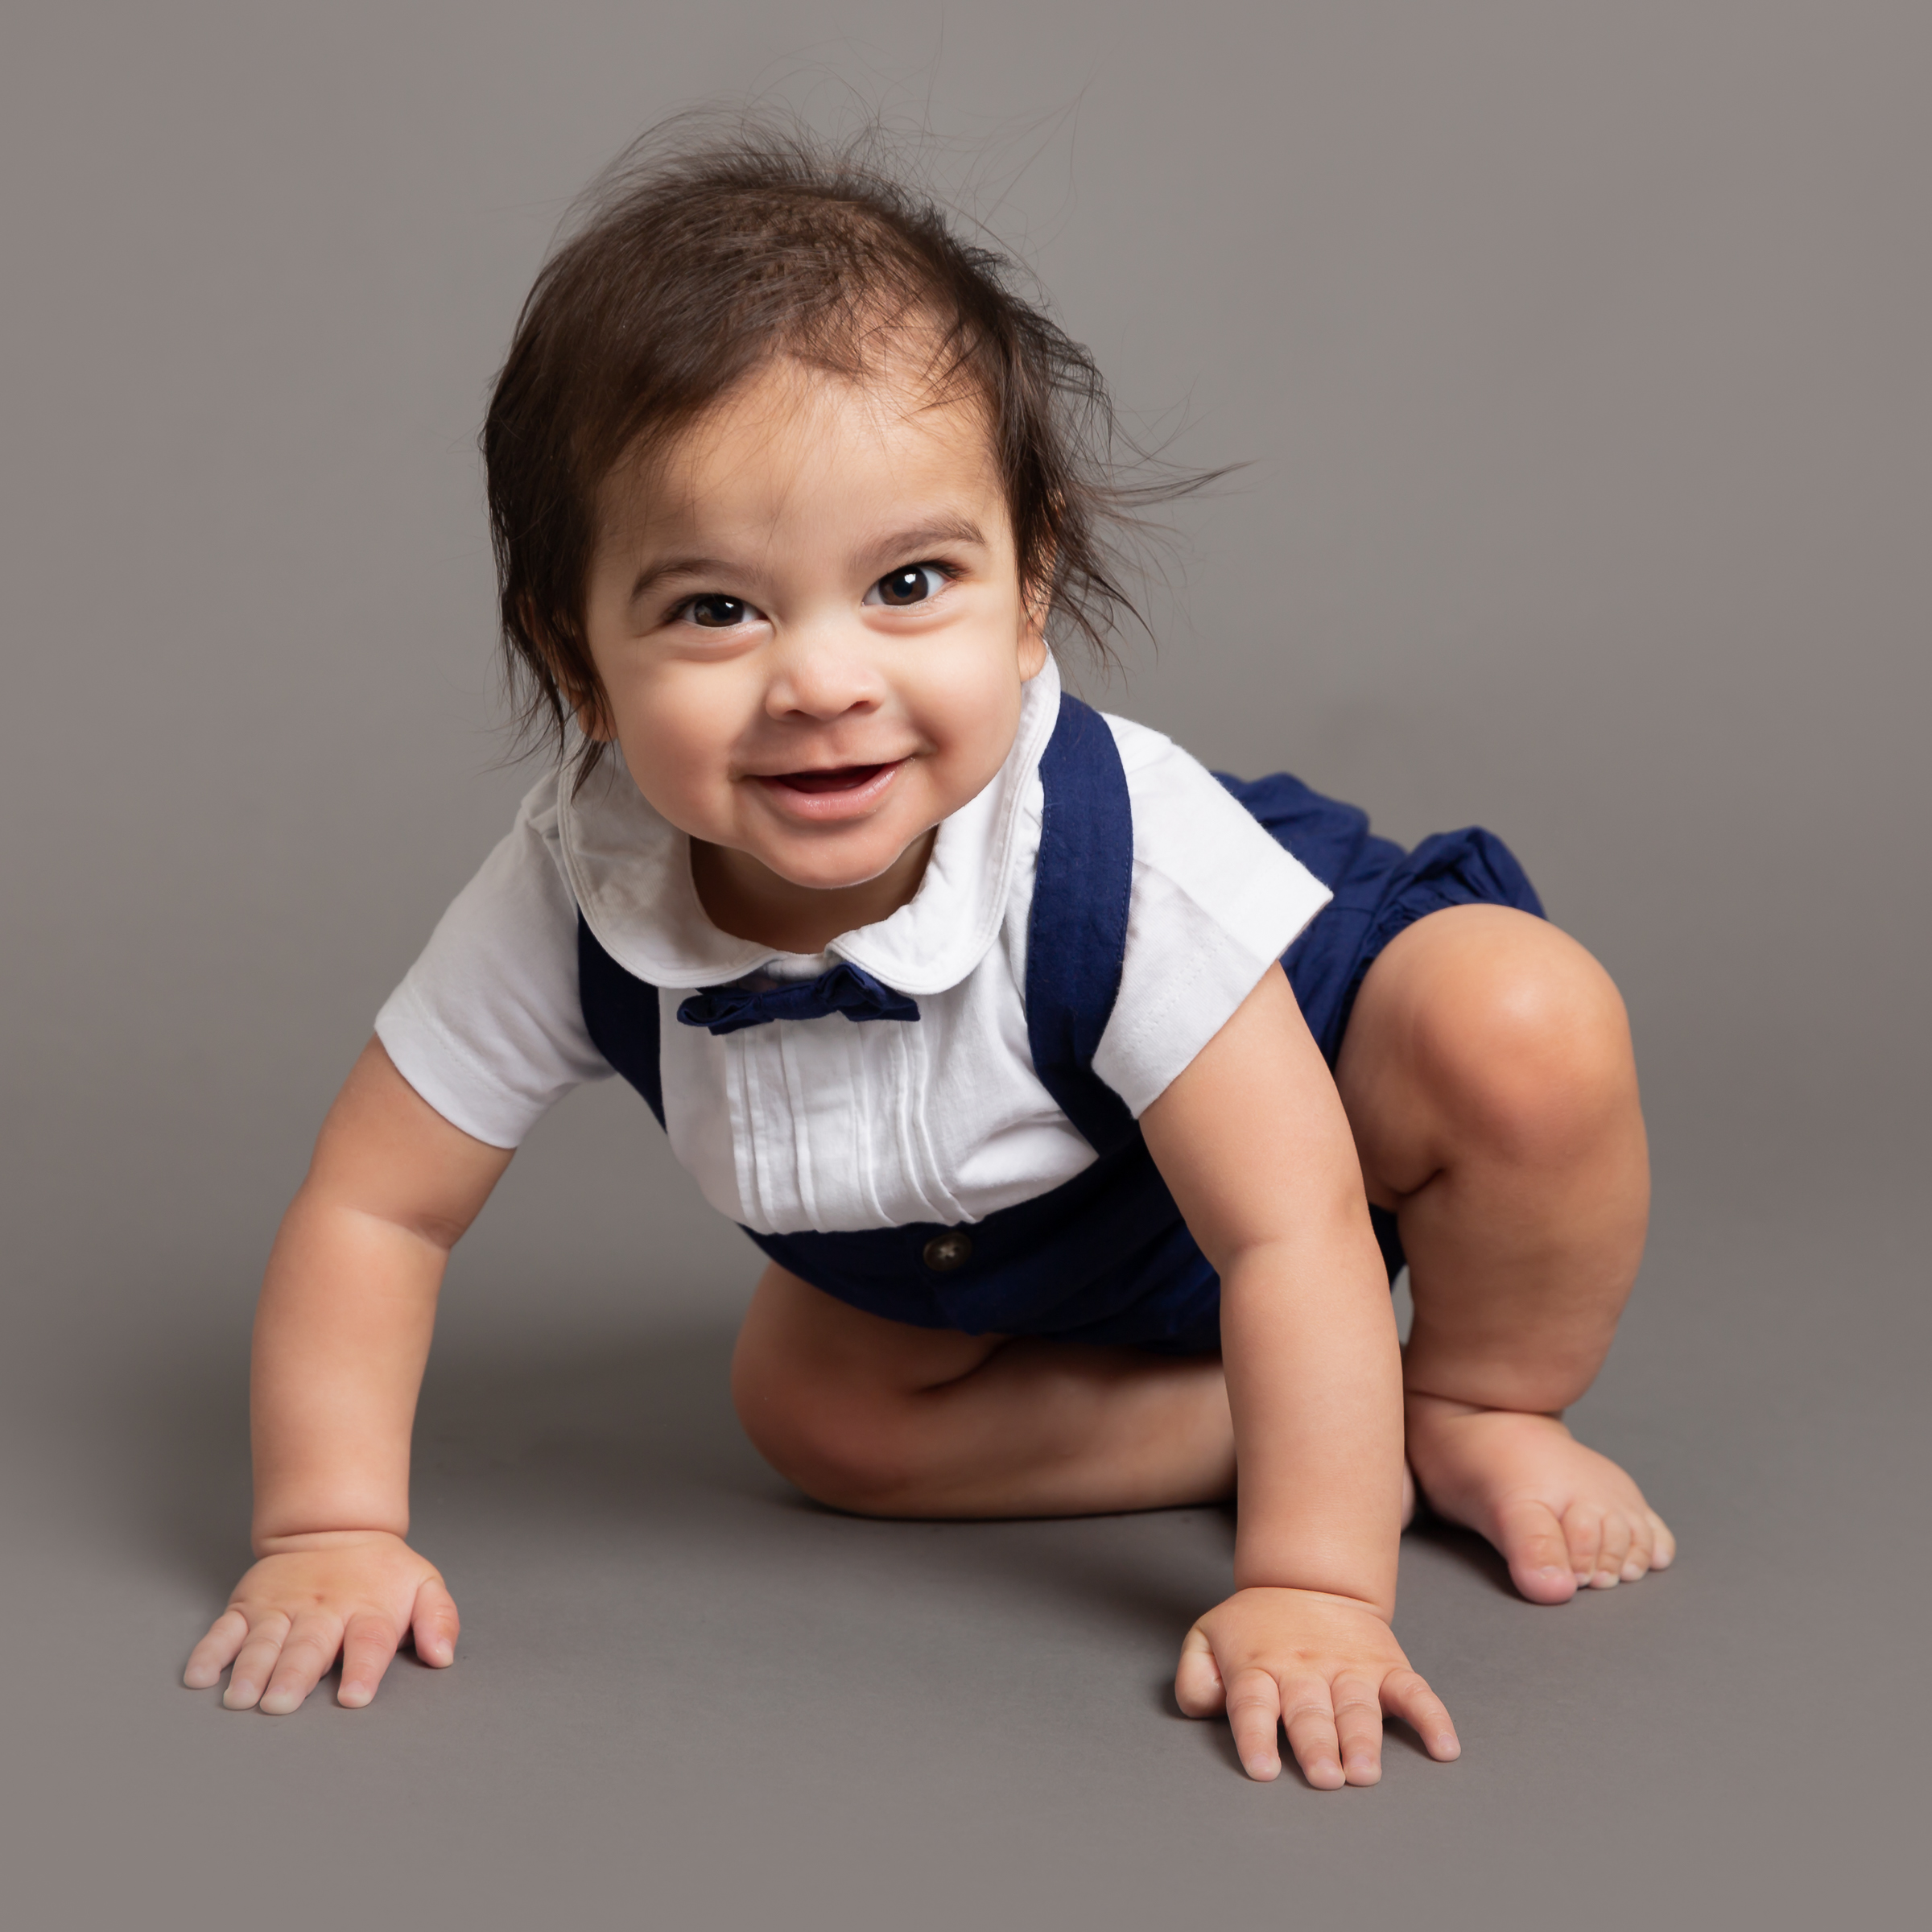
[987, 749]
[681, 781]
[978, 718]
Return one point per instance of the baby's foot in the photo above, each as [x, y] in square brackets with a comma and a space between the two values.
[1562, 1515]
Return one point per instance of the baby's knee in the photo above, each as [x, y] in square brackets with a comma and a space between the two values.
[1529, 1048]
[837, 1444]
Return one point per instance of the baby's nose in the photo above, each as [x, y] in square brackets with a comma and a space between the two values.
[824, 673]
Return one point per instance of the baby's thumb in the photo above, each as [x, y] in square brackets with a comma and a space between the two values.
[1198, 1688]
[434, 1624]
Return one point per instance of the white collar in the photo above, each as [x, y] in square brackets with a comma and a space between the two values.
[629, 870]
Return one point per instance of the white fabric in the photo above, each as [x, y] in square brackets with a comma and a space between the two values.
[824, 1124]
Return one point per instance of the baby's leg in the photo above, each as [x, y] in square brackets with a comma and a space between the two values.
[888, 1420]
[1488, 1074]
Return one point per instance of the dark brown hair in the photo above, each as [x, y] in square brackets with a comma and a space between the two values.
[699, 258]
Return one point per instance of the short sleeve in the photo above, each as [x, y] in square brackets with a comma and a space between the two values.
[488, 1025]
[1216, 903]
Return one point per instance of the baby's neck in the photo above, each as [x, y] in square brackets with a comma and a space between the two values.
[750, 901]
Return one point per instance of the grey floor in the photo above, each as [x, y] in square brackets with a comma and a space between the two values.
[686, 1698]
[1580, 356]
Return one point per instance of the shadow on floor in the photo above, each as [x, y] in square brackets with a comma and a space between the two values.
[624, 1435]
[1464, 1549]
[148, 1444]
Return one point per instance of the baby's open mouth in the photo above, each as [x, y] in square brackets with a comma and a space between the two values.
[840, 778]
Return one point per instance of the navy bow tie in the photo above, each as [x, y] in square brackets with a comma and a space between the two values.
[845, 990]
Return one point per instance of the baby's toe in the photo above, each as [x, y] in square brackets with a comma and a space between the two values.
[1584, 1537]
[1643, 1547]
[1533, 1544]
[1663, 1545]
[1613, 1552]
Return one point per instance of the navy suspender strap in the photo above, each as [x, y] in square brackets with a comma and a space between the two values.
[621, 1012]
[1076, 938]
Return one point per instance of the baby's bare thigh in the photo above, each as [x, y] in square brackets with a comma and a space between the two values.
[842, 1403]
[796, 1336]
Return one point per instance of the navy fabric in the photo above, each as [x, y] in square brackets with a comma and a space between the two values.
[846, 989]
[1077, 937]
[621, 1014]
[1379, 890]
[1106, 1258]
[1105, 1251]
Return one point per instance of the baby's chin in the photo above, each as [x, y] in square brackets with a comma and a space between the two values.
[839, 873]
[845, 860]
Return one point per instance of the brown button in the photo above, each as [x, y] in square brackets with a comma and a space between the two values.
[948, 1251]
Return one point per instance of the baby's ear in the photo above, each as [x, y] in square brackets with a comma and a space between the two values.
[576, 684]
[593, 717]
[1036, 601]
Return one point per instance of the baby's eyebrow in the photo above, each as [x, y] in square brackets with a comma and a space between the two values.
[678, 566]
[924, 536]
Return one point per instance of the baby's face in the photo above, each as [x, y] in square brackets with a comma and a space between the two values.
[812, 638]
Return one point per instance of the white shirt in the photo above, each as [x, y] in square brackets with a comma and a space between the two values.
[822, 1123]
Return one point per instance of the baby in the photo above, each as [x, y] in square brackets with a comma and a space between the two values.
[1084, 1103]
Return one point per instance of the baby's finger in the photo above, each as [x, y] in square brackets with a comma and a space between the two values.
[216, 1651]
[1406, 1695]
[368, 1646]
[250, 1675]
[310, 1650]
[1308, 1716]
[1358, 1729]
[436, 1625]
[1254, 1709]
[1197, 1679]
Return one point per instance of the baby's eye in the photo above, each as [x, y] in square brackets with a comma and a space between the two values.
[914, 584]
[715, 612]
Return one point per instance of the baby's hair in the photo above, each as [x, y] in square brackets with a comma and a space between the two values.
[699, 259]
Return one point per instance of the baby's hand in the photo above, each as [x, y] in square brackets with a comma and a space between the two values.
[1325, 1666]
[355, 1591]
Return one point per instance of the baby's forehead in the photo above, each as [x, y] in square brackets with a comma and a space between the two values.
[795, 444]
[897, 402]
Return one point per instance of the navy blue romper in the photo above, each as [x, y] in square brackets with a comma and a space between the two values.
[1105, 1257]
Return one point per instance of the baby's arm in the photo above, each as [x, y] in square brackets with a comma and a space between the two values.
[1253, 1139]
[341, 1336]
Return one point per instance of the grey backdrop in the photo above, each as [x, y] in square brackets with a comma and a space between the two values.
[1580, 353]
